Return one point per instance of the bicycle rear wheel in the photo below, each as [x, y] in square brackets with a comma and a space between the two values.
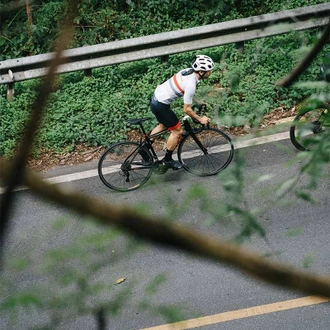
[307, 126]
[205, 152]
[125, 166]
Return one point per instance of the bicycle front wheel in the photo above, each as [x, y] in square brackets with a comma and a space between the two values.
[306, 128]
[125, 166]
[206, 152]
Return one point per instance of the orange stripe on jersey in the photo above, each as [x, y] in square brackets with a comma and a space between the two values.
[177, 84]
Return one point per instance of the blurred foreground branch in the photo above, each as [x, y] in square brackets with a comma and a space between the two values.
[175, 236]
[15, 173]
[301, 67]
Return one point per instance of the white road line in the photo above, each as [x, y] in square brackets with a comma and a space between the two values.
[260, 140]
[238, 143]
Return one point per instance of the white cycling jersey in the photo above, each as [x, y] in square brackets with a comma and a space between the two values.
[181, 84]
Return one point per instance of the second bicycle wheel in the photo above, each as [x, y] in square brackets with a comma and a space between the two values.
[211, 153]
[307, 126]
[125, 166]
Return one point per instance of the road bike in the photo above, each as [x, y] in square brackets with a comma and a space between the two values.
[202, 150]
[308, 125]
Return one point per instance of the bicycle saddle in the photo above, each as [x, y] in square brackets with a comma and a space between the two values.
[137, 121]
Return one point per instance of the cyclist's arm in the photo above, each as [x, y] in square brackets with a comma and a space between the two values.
[191, 113]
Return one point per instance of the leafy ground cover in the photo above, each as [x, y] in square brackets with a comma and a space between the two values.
[84, 115]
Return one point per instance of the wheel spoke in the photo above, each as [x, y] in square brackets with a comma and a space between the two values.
[219, 152]
[123, 168]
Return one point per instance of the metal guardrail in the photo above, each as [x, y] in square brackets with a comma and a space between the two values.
[236, 31]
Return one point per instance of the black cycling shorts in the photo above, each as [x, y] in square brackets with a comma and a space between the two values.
[164, 114]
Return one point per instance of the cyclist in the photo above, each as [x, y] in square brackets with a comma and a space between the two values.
[183, 84]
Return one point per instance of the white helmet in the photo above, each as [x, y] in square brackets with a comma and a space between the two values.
[202, 63]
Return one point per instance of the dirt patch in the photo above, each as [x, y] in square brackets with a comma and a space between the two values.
[276, 115]
[47, 160]
[83, 154]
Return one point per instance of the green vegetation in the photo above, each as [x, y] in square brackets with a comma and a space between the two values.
[93, 110]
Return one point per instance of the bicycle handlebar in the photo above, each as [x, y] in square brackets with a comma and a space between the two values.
[201, 109]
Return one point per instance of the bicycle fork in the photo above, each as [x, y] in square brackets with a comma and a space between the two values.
[188, 128]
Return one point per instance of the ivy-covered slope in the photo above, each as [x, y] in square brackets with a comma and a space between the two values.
[93, 110]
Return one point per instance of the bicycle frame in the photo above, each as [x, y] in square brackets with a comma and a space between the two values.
[148, 139]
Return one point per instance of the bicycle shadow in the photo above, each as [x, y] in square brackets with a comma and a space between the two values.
[174, 176]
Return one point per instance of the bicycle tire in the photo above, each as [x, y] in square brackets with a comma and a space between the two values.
[218, 154]
[122, 168]
[305, 129]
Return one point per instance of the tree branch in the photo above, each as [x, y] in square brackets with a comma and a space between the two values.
[301, 67]
[15, 174]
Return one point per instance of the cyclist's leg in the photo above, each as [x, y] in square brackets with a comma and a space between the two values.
[172, 142]
[158, 128]
[158, 109]
[174, 138]
[167, 119]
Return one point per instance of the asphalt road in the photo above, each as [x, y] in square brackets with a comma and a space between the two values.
[212, 296]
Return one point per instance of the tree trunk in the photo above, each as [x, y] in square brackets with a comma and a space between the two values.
[29, 17]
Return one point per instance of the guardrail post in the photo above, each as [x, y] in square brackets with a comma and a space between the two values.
[10, 91]
[240, 47]
[88, 73]
[10, 86]
[164, 59]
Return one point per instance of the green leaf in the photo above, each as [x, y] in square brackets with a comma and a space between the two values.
[20, 263]
[286, 186]
[308, 261]
[305, 196]
[294, 232]
[21, 300]
[154, 285]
